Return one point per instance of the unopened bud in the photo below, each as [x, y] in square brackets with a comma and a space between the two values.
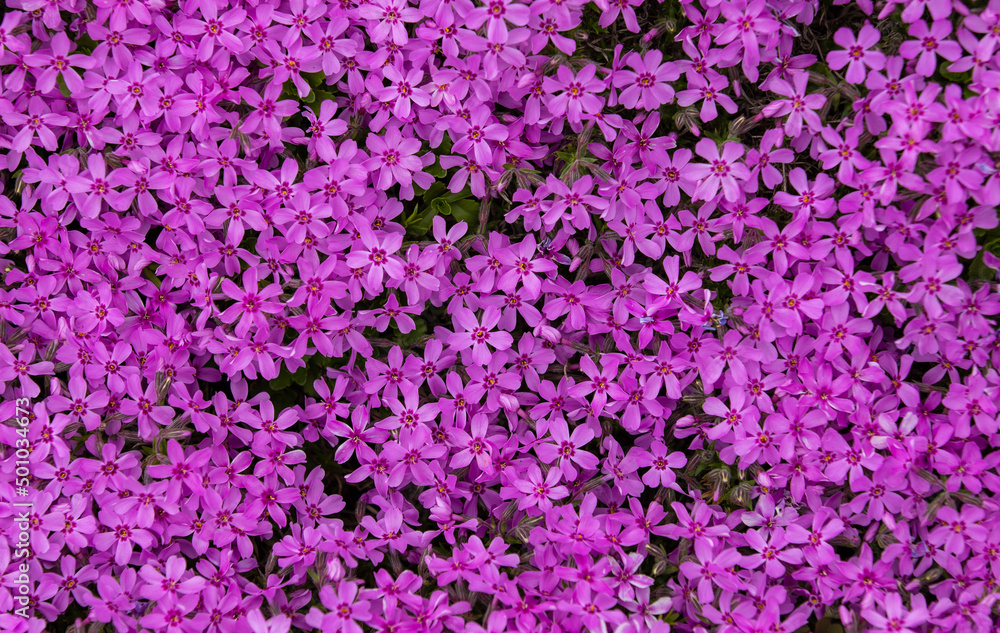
[819, 79]
[693, 463]
[549, 333]
[335, 570]
[967, 498]
[935, 506]
[162, 383]
[718, 478]
[687, 119]
[741, 125]
[656, 551]
[508, 512]
[509, 402]
[395, 563]
[742, 494]
[484, 212]
[582, 257]
[594, 484]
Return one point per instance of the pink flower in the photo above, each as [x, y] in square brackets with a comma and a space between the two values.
[574, 95]
[856, 56]
[647, 83]
[479, 335]
[930, 42]
[394, 161]
[722, 171]
[539, 491]
[566, 448]
[800, 105]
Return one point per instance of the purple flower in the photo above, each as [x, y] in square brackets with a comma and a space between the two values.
[536, 490]
[856, 56]
[647, 83]
[722, 171]
[930, 42]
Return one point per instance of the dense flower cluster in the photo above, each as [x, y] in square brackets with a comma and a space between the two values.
[424, 315]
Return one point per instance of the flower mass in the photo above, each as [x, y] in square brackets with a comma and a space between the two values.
[408, 316]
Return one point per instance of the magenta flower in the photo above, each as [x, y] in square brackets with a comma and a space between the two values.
[475, 133]
[394, 160]
[479, 334]
[476, 446]
[268, 111]
[800, 106]
[347, 609]
[403, 91]
[566, 448]
[709, 92]
[252, 303]
[930, 42]
[772, 553]
[714, 569]
[856, 56]
[122, 536]
[722, 171]
[888, 614]
[574, 94]
[390, 18]
[746, 22]
[536, 490]
[646, 84]
[55, 62]
[524, 268]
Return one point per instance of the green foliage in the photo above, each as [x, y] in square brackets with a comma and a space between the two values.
[438, 200]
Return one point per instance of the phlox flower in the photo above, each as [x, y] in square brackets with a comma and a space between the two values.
[800, 105]
[479, 334]
[928, 43]
[574, 94]
[646, 84]
[536, 490]
[723, 171]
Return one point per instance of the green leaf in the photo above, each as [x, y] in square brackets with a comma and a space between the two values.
[63, 88]
[461, 195]
[300, 376]
[283, 381]
[421, 225]
[315, 79]
[318, 97]
[420, 331]
[84, 45]
[436, 170]
[465, 211]
[150, 273]
[440, 206]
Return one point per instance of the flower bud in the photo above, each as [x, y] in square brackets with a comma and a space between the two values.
[509, 402]
[508, 512]
[484, 212]
[549, 333]
[359, 509]
[162, 383]
[718, 478]
[687, 119]
[335, 570]
[582, 256]
[742, 494]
